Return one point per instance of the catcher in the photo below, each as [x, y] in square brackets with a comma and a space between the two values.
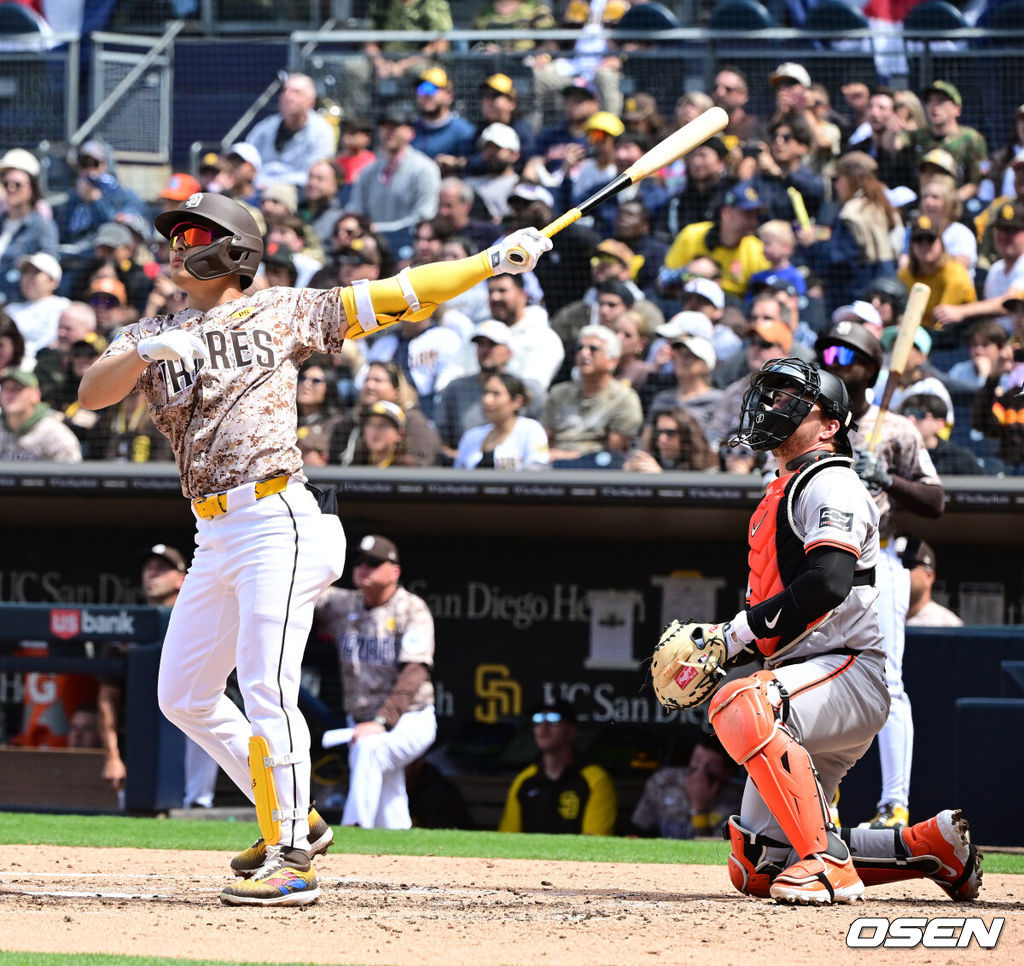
[800, 724]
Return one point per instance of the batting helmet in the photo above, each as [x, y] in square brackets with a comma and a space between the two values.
[237, 246]
[781, 395]
[856, 336]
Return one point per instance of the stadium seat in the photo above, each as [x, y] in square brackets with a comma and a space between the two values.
[740, 15]
[830, 16]
[934, 16]
[1005, 16]
[648, 16]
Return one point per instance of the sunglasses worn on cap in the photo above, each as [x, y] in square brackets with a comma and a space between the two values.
[839, 355]
[547, 717]
[186, 236]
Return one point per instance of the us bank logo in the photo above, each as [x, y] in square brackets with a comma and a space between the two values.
[499, 694]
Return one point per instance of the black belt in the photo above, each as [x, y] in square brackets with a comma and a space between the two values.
[864, 578]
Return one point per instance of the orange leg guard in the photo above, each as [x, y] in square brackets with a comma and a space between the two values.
[780, 767]
[750, 869]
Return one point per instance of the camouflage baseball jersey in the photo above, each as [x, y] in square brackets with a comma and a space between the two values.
[967, 148]
[232, 421]
[905, 454]
[373, 642]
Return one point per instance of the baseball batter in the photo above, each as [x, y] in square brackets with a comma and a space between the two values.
[800, 724]
[220, 378]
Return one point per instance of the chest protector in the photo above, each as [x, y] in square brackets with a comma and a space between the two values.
[776, 556]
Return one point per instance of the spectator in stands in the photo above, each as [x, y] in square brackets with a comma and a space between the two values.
[83, 728]
[499, 153]
[790, 84]
[454, 204]
[179, 187]
[634, 332]
[364, 258]
[888, 295]
[673, 441]
[930, 413]
[730, 91]
[858, 246]
[828, 126]
[1005, 278]
[693, 362]
[114, 248]
[382, 438]
[499, 105]
[983, 224]
[356, 139]
[707, 179]
[632, 227]
[37, 312]
[424, 16]
[109, 300]
[91, 428]
[560, 792]
[919, 559]
[780, 166]
[929, 263]
[529, 16]
[319, 206]
[729, 239]
[641, 116]
[441, 133]
[943, 104]
[508, 440]
[98, 196]
[998, 412]
[593, 411]
[400, 188]
[650, 192]
[590, 166]
[896, 165]
[919, 374]
[537, 351]
[909, 111]
[30, 429]
[692, 801]
[1001, 170]
[314, 445]
[985, 341]
[316, 396]
[131, 435]
[942, 206]
[23, 229]
[348, 227]
[242, 166]
[779, 243]
[553, 144]
[289, 141]
[12, 345]
[76, 322]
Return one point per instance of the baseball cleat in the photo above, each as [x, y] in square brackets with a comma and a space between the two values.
[818, 880]
[889, 816]
[321, 835]
[947, 838]
[286, 879]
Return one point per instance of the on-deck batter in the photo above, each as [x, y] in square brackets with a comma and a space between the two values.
[220, 378]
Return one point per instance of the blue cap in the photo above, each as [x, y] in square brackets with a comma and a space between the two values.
[743, 195]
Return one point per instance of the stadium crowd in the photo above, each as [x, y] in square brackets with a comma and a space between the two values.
[631, 345]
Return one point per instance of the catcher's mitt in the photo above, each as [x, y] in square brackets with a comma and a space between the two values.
[688, 664]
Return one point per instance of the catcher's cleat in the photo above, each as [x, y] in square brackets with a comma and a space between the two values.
[947, 838]
[889, 816]
[286, 879]
[819, 879]
[321, 835]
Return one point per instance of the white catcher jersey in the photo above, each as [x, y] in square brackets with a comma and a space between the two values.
[373, 642]
[233, 421]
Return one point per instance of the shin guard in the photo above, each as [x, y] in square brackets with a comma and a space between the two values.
[264, 792]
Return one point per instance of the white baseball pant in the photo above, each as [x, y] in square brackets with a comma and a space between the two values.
[247, 603]
[376, 790]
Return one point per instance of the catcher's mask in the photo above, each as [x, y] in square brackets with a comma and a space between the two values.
[781, 395]
[236, 245]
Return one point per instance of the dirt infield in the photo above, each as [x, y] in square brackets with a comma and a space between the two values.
[436, 910]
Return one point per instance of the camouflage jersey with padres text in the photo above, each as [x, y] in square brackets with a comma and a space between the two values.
[232, 420]
[374, 642]
[904, 452]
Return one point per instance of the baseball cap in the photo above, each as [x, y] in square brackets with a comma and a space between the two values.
[278, 254]
[113, 235]
[922, 338]
[312, 439]
[606, 122]
[170, 554]
[743, 196]
[42, 262]
[527, 191]
[717, 145]
[389, 410]
[365, 253]
[92, 343]
[109, 286]
[858, 311]
[210, 161]
[20, 160]
[358, 124]
[914, 552]
[922, 226]
[856, 164]
[706, 288]
[778, 333]
[946, 89]
[940, 159]
[1010, 215]
[180, 186]
[501, 83]
[700, 347]
[687, 324]
[774, 283]
[501, 136]
[435, 76]
[790, 71]
[23, 376]
[639, 107]
[378, 548]
[283, 193]
[398, 112]
[492, 329]
[579, 87]
[620, 251]
[247, 152]
[93, 149]
[555, 706]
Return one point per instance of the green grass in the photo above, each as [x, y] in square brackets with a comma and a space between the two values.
[20, 828]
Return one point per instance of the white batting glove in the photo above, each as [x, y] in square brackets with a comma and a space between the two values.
[519, 252]
[174, 344]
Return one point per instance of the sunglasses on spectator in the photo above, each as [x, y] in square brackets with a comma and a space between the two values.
[313, 380]
[760, 343]
[927, 239]
[186, 236]
[839, 355]
[372, 562]
[917, 413]
[671, 433]
[547, 717]
[89, 163]
[103, 301]
[783, 136]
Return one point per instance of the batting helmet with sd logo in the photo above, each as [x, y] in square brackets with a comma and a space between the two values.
[237, 245]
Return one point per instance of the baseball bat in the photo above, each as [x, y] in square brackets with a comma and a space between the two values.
[917, 302]
[678, 143]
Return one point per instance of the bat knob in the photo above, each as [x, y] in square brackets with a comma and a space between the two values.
[517, 256]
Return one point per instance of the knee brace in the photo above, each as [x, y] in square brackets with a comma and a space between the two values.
[750, 869]
[754, 734]
[268, 811]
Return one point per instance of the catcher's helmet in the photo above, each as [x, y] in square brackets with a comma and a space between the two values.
[237, 246]
[781, 395]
